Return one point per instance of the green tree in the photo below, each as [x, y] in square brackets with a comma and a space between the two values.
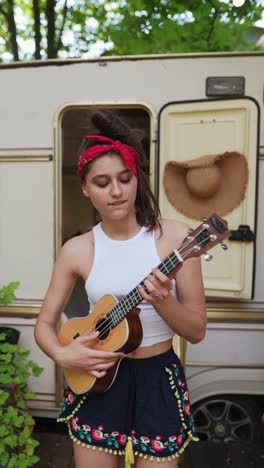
[8, 27]
[169, 26]
[40, 29]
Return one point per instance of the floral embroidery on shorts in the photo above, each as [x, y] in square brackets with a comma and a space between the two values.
[69, 399]
[118, 440]
[158, 444]
[91, 435]
[182, 395]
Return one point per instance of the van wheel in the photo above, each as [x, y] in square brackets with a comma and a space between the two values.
[227, 419]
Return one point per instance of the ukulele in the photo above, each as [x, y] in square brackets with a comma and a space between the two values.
[118, 323]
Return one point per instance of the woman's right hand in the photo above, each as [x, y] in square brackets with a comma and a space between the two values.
[80, 355]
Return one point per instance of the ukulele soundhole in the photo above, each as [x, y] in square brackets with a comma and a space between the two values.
[103, 326]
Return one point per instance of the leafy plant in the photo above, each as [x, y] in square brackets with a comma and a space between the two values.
[7, 293]
[17, 446]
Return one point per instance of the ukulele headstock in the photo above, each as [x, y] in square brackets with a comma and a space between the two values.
[212, 231]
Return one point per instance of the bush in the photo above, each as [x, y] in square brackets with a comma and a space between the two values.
[17, 445]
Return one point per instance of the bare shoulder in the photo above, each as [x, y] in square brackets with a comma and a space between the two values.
[77, 252]
[78, 243]
[173, 230]
[173, 233]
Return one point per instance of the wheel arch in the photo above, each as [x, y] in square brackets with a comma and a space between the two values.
[212, 382]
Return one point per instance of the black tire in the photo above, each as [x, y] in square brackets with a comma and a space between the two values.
[228, 418]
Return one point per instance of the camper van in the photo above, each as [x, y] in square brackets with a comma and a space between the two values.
[187, 106]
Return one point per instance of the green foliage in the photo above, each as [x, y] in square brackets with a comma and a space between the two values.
[41, 29]
[57, 28]
[17, 446]
[154, 26]
[7, 293]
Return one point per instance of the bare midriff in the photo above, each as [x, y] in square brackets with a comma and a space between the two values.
[153, 350]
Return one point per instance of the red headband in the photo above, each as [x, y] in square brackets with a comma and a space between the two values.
[127, 153]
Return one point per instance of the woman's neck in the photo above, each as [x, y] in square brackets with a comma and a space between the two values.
[120, 230]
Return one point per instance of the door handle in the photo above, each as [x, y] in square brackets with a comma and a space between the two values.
[242, 234]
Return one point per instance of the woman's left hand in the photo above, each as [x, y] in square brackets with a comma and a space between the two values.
[158, 287]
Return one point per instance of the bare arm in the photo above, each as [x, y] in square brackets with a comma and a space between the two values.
[78, 354]
[187, 314]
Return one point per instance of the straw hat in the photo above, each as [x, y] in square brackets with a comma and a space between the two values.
[213, 183]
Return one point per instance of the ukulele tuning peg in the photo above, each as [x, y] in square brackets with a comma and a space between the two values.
[190, 230]
[204, 219]
[224, 246]
[207, 257]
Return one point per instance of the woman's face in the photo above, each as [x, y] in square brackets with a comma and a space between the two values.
[112, 187]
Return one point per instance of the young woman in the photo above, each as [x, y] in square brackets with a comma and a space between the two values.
[145, 413]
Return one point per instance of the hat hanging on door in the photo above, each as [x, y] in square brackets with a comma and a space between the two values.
[212, 183]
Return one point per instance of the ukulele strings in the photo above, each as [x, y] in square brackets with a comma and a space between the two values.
[105, 326]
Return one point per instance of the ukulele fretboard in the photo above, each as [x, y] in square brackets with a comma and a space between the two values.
[133, 298]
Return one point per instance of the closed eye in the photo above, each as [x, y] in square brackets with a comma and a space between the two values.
[126, 180]
[102, 180]
[102, 185]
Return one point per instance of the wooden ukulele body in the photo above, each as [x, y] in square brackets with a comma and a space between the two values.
[125, 337]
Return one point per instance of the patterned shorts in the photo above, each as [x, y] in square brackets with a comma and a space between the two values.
[147, 406]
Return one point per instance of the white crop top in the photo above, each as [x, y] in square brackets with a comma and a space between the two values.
[118, 267]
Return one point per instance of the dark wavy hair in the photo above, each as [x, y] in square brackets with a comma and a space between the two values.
[110, 125]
